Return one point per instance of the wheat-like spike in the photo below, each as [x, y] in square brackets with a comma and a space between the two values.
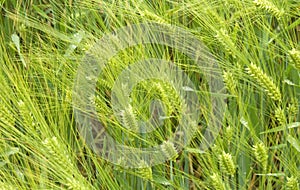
[292, 183]
[68, 96]
[225, 40]
[6, 117]
[57, 152]
[120, 163]
[280, 116]
[217, 182]
[144, 170]
[261, 155]
[265, 81]
[269, 7]
[151, 15]
[293, 108]
[228, 133]
[230, 82]
[6, 186]
[27, 116]
[169, 150]
[164, 97]
[129, 119]
[295, 57]
[60, 155]
[105, 84]
[173, 97]
[226, 163]
[74, 184]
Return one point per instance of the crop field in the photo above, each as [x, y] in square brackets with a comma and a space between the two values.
[149, 94]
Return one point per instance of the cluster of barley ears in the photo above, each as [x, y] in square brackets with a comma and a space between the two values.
[40, 51]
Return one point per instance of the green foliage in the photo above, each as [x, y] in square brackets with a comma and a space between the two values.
[254, 42]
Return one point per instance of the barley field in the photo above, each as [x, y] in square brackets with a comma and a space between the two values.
[149, 94]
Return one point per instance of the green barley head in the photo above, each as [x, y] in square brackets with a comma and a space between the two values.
[145, 171]
[292, 183]
[227, 164]
[225, 40]
[217, 182]
[230, 82]
[261, 155]
[169, 150]
[269, 7]
[280, 116]
[293, 108]
[295, 57]
[129, 119]
[265, 81]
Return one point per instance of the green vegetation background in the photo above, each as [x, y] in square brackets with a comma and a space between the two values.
[255, 43]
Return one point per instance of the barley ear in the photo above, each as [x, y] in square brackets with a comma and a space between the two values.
[129, 119]
[226, 41]
[6, 117]
[269, 7]
[261, 155]
[74, 184]
[217, 182]
[145, 171]
[57, 152]
[295, 58]
[26, 115]
[6, 186]
[293, 109]
[169, 150]
[230, 82]
[265, 81]
[226, 164]
[280, 116]
[292, 183]
[228, 133]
